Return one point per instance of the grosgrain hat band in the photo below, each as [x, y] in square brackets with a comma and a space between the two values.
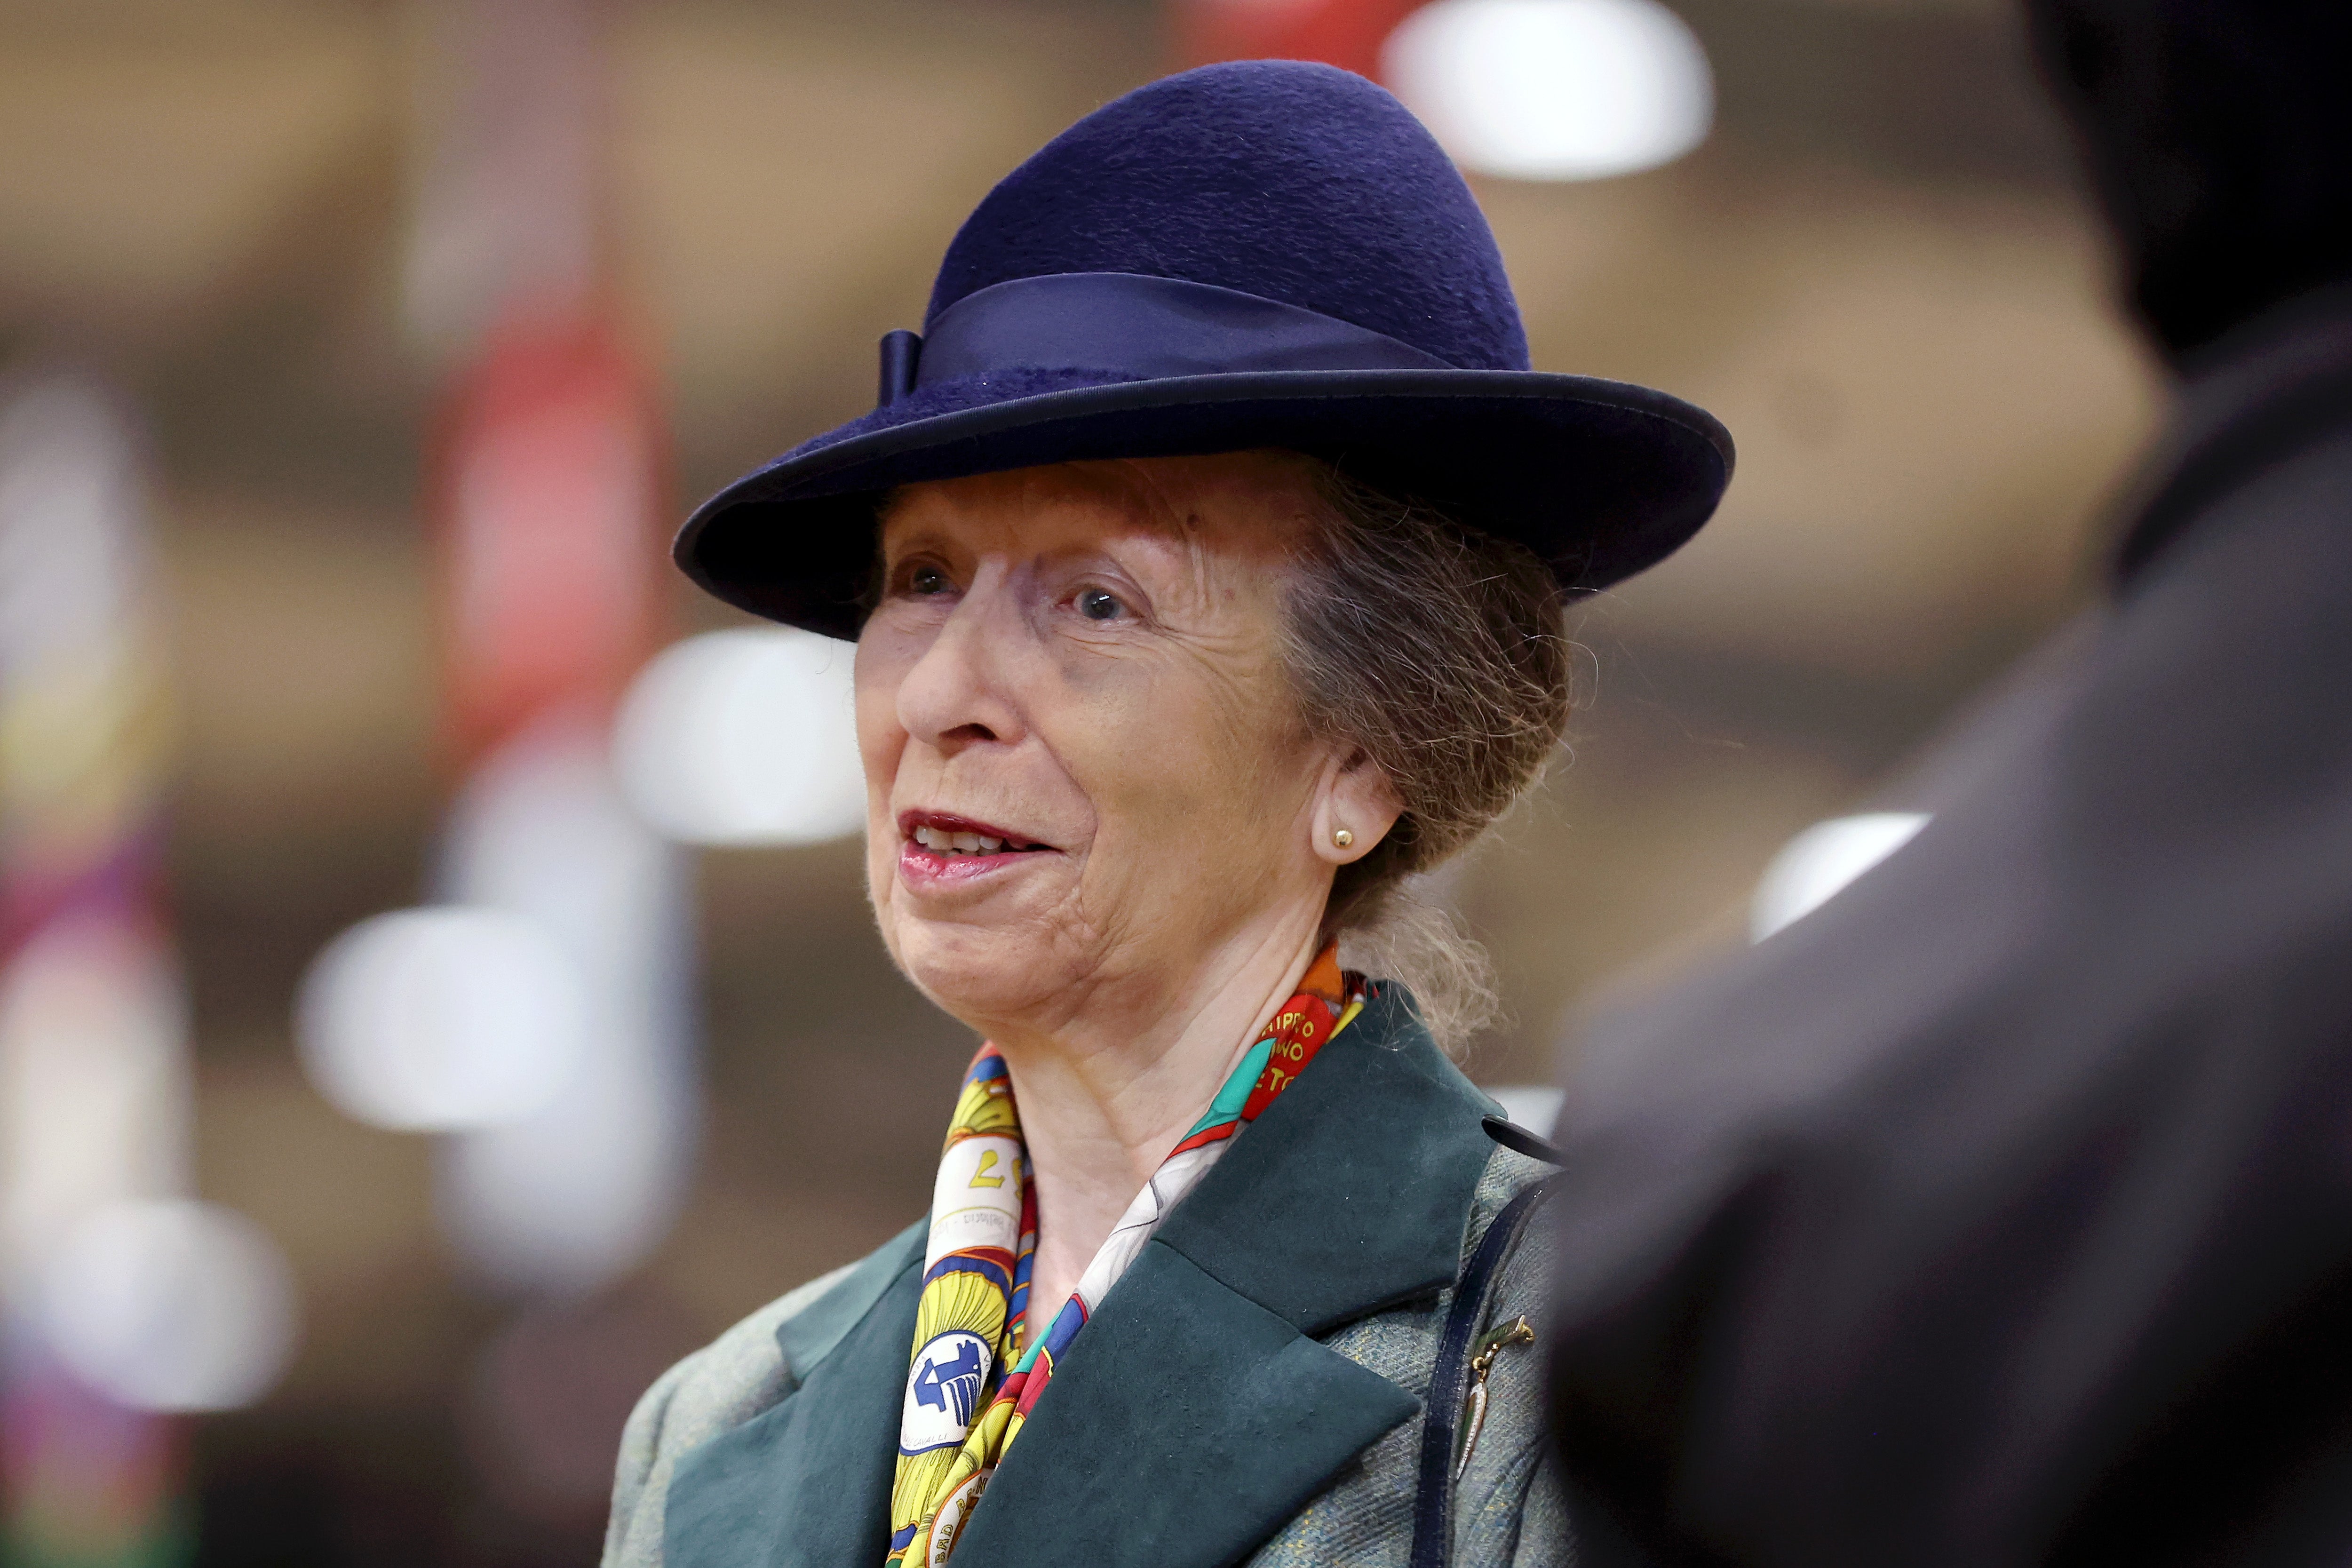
[1134, 325]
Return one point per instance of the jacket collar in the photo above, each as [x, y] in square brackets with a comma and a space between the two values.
[1195, 1415]
[1350, 1191]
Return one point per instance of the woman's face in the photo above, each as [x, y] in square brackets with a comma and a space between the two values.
[1085, 769]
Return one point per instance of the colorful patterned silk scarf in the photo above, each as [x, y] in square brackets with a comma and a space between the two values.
[962, 1410]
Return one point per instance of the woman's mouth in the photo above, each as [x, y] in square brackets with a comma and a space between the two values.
[943, 842]
[941, 847]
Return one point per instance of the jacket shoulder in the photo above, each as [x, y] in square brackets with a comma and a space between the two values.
[1507, 1509]
[743, 1371]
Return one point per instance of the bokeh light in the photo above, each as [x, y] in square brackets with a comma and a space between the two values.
[744, 737]
[1820, 861]
[442, 1018]
[171, 1305]
[573, 1196]
[1554, 89]
[93, 1078]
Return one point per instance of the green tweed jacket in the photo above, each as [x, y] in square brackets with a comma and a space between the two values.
[1250, 1392]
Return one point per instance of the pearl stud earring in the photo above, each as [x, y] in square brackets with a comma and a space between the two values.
[1343, 839]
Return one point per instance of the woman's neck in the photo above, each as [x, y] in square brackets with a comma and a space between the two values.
[1108, 1091]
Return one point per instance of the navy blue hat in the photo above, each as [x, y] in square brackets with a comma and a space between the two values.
[1266, 253]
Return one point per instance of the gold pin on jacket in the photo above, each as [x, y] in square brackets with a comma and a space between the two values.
[1516, 1332]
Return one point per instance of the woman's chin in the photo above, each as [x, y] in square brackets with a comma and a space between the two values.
[979, 976]
[975, 944]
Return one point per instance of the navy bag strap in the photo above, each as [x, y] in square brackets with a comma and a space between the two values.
[1433, 1509]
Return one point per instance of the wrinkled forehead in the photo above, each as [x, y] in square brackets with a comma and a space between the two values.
[1259, 506]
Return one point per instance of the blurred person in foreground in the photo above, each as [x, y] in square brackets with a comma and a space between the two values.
[2000, 1211]
[1158, 704]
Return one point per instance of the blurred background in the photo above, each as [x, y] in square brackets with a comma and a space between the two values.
[435, 985]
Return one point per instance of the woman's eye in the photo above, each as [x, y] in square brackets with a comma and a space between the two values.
[927, 580]
[1098, 606]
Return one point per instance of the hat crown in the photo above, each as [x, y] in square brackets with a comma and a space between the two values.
[1286, 180]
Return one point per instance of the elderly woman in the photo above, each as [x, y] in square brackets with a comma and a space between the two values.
[1204, 560]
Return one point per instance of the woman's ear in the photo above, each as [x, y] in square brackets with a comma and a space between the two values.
[1355, 806]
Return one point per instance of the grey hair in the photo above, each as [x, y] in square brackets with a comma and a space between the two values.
[1440, 653]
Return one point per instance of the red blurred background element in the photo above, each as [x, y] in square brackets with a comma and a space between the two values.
[552, 501]
[1344, 33]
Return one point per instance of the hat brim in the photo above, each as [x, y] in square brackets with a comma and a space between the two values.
[1600, 479]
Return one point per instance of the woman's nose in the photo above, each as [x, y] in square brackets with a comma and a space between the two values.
[955, 694]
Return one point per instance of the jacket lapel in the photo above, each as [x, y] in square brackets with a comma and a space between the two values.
[1195, 1415]
[1352, 1192]
[806, 1483]
[1187, 1426]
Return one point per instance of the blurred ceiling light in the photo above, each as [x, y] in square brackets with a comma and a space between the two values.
[442, 1018]
[1820, 861]
[1553, 90]
[171, 1305]
[744, 737]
